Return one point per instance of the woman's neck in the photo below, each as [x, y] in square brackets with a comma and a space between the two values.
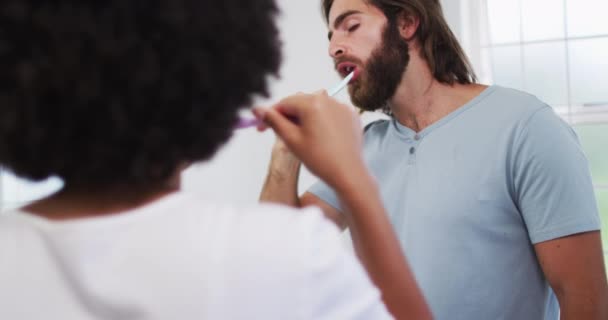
[75, 202]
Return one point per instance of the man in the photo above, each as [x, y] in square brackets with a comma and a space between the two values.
[115, 98]
[486, 187]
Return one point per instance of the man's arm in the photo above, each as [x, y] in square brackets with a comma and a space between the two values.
[574, 267]
[281, 185]
[555, 194]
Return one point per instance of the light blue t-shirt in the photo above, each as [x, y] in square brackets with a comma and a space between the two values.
[471, 194]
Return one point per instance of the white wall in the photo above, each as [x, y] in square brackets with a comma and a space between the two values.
[452, 13]
[237, 172]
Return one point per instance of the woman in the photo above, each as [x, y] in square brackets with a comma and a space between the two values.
[116, 97]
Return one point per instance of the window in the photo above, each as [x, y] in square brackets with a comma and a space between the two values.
[594, 139]
[557, 50]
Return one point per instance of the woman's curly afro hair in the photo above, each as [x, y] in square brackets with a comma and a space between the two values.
[124, 91]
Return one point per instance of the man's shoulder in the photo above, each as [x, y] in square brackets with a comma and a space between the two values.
[376, 126]
[376, 130]
[512, 101]
[503, 110]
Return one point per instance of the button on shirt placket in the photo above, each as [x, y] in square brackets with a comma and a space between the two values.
[414, 149]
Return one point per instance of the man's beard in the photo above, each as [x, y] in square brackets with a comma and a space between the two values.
[383, 72]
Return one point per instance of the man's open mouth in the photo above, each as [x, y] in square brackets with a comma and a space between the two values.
[345, 68]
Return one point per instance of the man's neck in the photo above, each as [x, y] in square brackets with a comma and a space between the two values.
[421, 100]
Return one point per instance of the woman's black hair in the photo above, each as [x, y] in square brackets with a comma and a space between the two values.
[125, 91]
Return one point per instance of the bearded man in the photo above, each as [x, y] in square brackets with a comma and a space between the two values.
[486, 187]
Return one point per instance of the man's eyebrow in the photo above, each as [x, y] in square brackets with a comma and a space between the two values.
[341, 19]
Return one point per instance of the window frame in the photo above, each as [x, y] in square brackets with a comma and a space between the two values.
[573, 113]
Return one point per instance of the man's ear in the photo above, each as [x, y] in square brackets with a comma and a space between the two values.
[408, 25]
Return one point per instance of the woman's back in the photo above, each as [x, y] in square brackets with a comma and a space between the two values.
[180, 258]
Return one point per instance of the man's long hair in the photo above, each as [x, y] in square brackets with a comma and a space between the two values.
[440, 48]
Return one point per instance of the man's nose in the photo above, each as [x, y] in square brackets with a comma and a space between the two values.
[336, 50]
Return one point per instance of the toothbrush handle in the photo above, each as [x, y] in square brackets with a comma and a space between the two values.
[248, 123]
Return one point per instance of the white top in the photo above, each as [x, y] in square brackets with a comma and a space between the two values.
[182, 258]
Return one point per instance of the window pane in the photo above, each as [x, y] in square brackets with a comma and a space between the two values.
[545, 72]
[589, 70]
[504, 18]
[507, 67]
[587, 18]
[543, 19]
[483, 67]
[594, 139]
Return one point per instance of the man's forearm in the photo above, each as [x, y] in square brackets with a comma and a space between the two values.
[281, 185]
[584, 307]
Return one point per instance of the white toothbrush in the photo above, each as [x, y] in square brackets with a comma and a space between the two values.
[247, 123]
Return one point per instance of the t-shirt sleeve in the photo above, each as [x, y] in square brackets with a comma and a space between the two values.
[337, 285]
[551, 179]
[327, 194]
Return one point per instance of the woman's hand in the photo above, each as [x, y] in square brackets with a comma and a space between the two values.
[323, 133]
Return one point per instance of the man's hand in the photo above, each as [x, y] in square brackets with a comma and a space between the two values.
[325, 134]
[281, 183]
[282, 157]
